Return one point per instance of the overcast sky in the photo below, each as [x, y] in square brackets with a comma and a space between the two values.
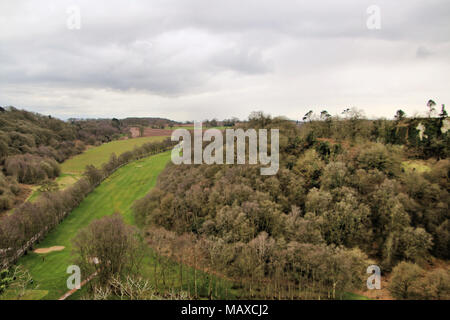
[198, 59]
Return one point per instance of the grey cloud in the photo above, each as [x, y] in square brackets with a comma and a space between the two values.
[173, 61]
[423, 52]
[179, 49]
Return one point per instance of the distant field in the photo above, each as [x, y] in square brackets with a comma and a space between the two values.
[192, 127]
[117, 193]
[99, 155]
[167, 131]
[181, 127]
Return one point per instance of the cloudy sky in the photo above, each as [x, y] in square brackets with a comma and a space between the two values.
[198, 59]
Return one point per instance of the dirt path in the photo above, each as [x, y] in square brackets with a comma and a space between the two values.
[70, 292]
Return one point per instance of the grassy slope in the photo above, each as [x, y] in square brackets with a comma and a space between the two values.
[354, 296]
[117, 193]
[99, 155]
[72, 168]
[27, 295]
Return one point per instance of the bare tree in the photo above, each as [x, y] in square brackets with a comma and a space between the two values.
[431, 104]
[116, 247]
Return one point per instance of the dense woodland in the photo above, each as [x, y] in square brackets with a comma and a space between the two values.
[341, 201]
[156, 123]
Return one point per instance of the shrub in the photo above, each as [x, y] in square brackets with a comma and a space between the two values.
[435, 285]
[381, 158]
[405, 281]
[31, 169]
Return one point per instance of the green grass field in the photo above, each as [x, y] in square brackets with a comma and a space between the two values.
[117, 193]
[353, 296]
[27, 295]
[99, 155]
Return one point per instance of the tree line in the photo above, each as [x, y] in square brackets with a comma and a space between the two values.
[353, 127]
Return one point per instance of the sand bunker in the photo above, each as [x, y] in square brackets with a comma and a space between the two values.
[47, 250]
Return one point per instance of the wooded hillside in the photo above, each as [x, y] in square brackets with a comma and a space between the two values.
[342, 199]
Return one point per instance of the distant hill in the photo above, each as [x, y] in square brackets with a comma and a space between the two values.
[24, 132]
[158, 123]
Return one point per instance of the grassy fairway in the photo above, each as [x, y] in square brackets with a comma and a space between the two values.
[72, 169]
[27, 295]
[117, 193]
[99, 155]
[353, 296]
